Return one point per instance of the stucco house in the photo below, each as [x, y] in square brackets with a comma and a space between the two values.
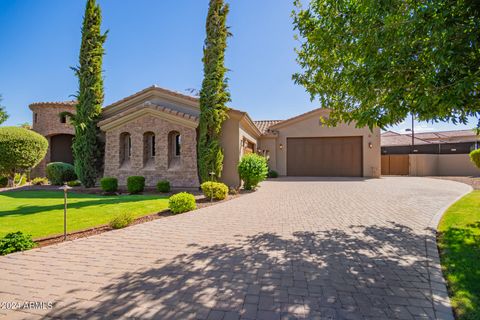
[153, 133]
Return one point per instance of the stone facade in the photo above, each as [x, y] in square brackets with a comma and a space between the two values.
[46, 121]
[182, 174]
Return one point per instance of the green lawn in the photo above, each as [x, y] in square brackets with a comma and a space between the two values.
[459, 242]
[40, 213]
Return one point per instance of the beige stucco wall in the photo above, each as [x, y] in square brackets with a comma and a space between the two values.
[442, 165]
[423, 164]
[230, 142]
[456, 165]
[183, 175]
[268, 144]
[310, 126]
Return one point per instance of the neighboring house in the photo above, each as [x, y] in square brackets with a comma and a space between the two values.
[153, 133]
[443, 153]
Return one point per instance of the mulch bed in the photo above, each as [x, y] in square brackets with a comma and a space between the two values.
[202, 202]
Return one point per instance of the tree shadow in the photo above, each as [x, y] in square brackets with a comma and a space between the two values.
[97, 201]
[364, 272]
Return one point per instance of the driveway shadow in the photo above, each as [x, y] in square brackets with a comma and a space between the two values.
[364, 272]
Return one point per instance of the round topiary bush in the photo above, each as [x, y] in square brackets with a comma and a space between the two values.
[109, 184]
[20, 150]
[60, 172]
[272, 174]
[135, 184]
[182, 202]
[122, 220]
[252, 169]
[475, 157]
[163, 186]
[215, 190]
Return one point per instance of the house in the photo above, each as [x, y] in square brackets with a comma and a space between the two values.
[153, 133]
[443, 153]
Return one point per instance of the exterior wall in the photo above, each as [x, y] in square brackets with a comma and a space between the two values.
[48, 124]
[311, 127]
[456, 165]
[423, 164]
[183, 175]
[442, 165]
[230, 142]
[234, 132]
[268, 145]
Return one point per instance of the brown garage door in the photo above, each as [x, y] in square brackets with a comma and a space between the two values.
[325, 157]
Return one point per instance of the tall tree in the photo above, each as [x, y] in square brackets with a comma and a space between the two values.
[375, 62]
[3, 113]
[86, 145]
[214, 94]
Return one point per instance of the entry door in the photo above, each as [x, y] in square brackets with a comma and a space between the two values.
[325, 157]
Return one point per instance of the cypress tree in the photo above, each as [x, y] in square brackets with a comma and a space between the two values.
[86, 145]
[214, 94]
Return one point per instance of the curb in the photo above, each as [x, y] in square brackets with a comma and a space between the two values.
[438, 285]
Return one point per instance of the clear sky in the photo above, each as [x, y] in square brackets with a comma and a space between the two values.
[153, 42]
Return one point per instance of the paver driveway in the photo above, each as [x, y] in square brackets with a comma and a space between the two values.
[326, 249]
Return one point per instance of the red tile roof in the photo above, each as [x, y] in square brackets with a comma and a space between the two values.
[264, 125]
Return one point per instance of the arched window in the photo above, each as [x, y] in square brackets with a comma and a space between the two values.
[125, 149]
[148, 149]
[174, 149]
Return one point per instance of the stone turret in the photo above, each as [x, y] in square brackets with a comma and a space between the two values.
[59, 132]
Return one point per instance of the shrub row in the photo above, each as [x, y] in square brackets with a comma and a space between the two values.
[59, 173]
[135, 184]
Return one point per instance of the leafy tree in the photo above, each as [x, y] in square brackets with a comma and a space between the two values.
[3, 113]
[375, 62]
[214, 94]
[20, 150]
[87, 149]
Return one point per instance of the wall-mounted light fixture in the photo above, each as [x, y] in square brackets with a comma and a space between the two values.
[370, 145]
[281, 146]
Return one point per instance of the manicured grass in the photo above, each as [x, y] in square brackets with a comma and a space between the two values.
[40, 213]
[459, 242]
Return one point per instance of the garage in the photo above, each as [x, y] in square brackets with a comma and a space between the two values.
[325, 156]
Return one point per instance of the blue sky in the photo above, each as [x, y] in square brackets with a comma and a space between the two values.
[153, 42]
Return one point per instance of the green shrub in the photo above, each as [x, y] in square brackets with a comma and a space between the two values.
[272, 174]
[16, 241]
[39, 181]
[20, 179]
[163, 186]
[74, 183]
[122, 220]
[60, 172]
[109, 184]
[182, 202]
[216, 190]
[20, 150]
[135, 184]
[3, 182]
[252, 169]
[475, 157]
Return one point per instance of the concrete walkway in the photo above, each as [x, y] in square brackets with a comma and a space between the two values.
[296, 248]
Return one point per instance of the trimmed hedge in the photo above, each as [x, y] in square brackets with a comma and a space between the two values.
[60, 172]
[135, 184]
[163, 186]
[252, 169]
[475, 157]
[182, 202]
[216, 190]
[109, 184]
[20, 150]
